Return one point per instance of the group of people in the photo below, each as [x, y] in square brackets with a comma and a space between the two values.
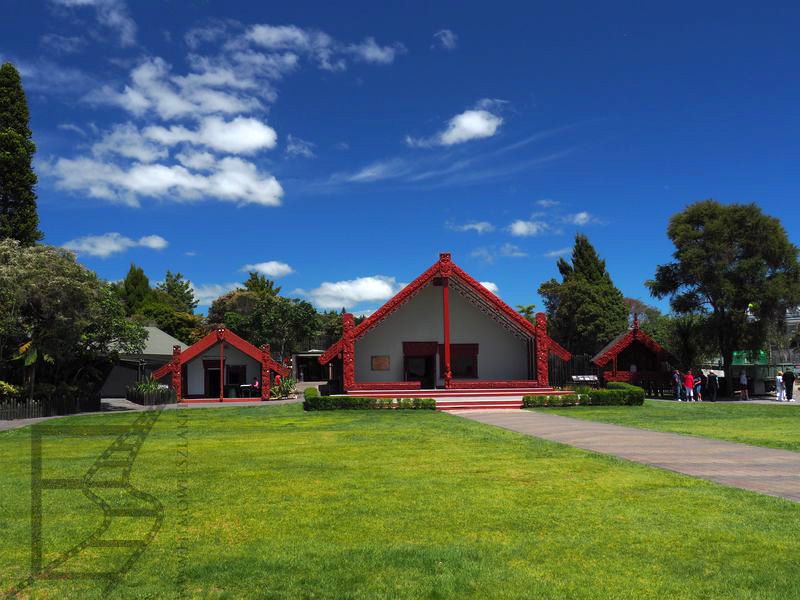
[690, 386]
[784, 386]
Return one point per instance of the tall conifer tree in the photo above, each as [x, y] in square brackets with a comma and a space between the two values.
[585, 310]
[18, 217]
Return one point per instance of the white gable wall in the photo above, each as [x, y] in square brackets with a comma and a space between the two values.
[501, 355]
[233, 356]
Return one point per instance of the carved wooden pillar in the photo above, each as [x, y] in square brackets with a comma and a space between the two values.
[348, 352]
[266, 385]
[542, 351]
[446, 270]
[177, 372]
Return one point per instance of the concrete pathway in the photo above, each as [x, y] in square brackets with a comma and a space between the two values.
[764, 470]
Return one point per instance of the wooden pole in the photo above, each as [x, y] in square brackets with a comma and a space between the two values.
[221, 369]
[448, 374]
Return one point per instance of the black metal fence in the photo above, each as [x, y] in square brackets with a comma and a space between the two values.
[31, 409]
[561, 371]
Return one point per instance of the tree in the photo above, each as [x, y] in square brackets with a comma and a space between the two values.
[57, 314]
[528, 311]
[734, 266]
[259, 284]
[135, 288]
[18, 217]
[158, 309]
[585, 310]
[179, 291]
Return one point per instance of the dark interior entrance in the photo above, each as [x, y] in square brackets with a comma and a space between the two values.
[419, 363]
[212, 375]
[421, 368]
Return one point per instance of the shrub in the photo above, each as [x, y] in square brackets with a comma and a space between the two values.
[287, 387]
[9, 392]
[623, 394]
[310, 392]
[316, 402]
[554, 400]
[148, 396]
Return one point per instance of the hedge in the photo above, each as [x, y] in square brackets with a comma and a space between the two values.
[618, 394]
[310, 392]
[355, 403]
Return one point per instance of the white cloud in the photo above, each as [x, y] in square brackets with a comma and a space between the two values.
[478, 227]
[369, 51]
[62, 44]
[72, 127]
[298, 147]
[231, 180]
[547, 203]
[581, 218]
[377, 171]
[202, 161]
[241, 135]
[523, 228]
[491, 286]
[473, 124]
[446, 39]
[557, 253]
[206, 293]
[328, 53]
[126, 140]
[154, 89]
[271, 268]
[107, 244]
[489, 254]
[345, 294]
[112, 14]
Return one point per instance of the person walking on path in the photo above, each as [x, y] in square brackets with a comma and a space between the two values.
[712, 385]
[688, 385]
[743, 385]
[780, 392]
[676, 385]
[788, 384]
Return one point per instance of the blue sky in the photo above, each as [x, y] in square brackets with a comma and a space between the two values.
[339, 147]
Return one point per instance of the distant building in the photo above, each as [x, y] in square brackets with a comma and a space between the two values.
[136, 367]
[444, 330]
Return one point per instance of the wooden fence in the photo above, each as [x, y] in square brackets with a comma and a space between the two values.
[28, 409]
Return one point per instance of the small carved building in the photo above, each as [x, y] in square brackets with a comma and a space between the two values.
[443, 330]
[220, 367]
[635, 357]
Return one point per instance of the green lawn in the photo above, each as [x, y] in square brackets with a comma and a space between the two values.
[771, 425]
[407, 504]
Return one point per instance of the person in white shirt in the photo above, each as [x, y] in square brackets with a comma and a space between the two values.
[780, 390]
[743, 385]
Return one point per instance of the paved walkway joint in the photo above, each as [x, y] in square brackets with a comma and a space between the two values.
[765, 470]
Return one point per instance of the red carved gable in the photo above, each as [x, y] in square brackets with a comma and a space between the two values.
[445, 267]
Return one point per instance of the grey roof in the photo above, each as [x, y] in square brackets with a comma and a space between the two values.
[159, 343]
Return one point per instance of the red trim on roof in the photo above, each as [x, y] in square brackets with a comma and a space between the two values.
[625, 340]
[444, 267]
[215, 337]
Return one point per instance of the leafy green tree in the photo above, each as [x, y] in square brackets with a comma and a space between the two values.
[18, 217]
[57, 314]
[158, 309]
[734, 266]
[259, 284]
[135, 289]
[528, 311]
[585, 310]
[179, 291]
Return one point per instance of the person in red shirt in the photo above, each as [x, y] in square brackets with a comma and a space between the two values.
[688, 385]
